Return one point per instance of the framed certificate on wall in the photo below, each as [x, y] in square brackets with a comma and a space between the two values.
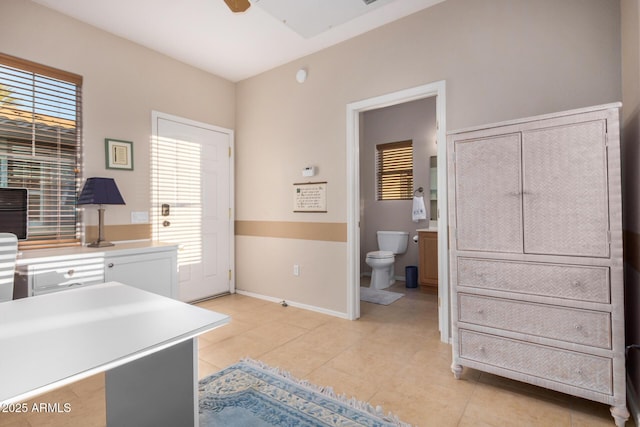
[310, 197]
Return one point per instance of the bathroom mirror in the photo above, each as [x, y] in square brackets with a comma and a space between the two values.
[433, 188]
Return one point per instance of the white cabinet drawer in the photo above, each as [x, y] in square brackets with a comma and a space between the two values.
[571, 368]
[561, 323]
[553, 280]
[61, 275]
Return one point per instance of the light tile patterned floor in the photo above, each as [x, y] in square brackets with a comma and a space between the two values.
[391, 357]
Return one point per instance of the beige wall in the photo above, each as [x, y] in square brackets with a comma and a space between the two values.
[501, 59]
[416, 121]
[123, 83]
[630, 154]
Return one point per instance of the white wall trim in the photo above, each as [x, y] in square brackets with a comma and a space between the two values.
[293, 304]
[354, 109]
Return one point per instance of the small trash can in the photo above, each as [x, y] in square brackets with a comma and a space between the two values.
[411, 276]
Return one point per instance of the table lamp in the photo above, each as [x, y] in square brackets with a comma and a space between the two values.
[100, 191]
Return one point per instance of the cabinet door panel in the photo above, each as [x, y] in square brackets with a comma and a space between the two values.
[153, 272]
[565, 190]
[488, 194]
[428, 249]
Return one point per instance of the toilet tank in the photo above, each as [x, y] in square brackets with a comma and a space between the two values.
[394, 241]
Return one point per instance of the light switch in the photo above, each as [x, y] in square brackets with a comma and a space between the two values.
[140, 217]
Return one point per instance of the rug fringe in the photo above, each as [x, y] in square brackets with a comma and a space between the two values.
[329, 392]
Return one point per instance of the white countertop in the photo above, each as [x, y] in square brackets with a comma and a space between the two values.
[52, 340]
[54, 254]
[429, 230]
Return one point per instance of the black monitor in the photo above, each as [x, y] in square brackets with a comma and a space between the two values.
[14, 205]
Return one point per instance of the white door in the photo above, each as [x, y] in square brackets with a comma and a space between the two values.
[191, 202]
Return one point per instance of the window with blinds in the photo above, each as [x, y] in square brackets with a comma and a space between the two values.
[40, 143]
[394, 170]
[177, 186]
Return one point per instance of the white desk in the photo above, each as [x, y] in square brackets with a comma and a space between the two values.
[151, 266]
[145, 343]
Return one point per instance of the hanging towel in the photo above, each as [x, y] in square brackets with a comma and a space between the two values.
[419, 212]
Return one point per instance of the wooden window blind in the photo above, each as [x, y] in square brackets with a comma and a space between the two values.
[40, 146]
[394, 170]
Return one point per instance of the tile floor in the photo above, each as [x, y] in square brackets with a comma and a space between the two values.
[391, 357]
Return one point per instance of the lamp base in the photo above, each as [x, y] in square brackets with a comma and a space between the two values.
[100, 244]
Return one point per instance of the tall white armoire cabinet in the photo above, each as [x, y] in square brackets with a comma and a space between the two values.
[536, 253]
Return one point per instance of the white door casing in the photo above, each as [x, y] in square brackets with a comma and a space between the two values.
[192, 196]
[354, 109]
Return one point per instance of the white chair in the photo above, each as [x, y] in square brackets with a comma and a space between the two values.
[8, 253]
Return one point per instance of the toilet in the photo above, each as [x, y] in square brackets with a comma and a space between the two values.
[390, 244]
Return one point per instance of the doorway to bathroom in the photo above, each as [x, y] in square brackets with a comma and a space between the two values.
[385, 119]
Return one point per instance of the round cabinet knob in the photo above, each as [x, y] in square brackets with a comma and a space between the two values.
[110, 265]
[70, 272]
[166, 223]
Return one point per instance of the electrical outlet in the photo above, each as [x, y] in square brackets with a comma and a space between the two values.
[296, 270]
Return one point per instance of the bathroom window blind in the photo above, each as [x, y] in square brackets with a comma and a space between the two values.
[40, 144]
[394, 170]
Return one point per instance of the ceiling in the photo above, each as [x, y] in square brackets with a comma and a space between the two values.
[207, 35]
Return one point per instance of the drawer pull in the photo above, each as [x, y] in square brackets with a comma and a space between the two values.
[578, 327]
[70, 272]
[110, 265]
[480, 311]
[576, 284]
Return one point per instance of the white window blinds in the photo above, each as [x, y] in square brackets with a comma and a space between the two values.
[40, 142]
[394, 170]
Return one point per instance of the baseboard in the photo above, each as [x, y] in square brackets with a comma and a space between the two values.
[294, 304]
[632, 402]
[399, 278]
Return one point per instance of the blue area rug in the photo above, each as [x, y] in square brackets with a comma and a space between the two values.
[252, 394]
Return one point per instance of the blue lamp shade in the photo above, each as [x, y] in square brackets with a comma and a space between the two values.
[100, 191]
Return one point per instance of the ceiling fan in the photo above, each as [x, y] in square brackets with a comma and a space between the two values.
[238, 5]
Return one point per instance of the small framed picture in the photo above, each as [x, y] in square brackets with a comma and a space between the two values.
[119, 154]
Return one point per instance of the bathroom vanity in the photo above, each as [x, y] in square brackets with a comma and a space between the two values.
[428, 257]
